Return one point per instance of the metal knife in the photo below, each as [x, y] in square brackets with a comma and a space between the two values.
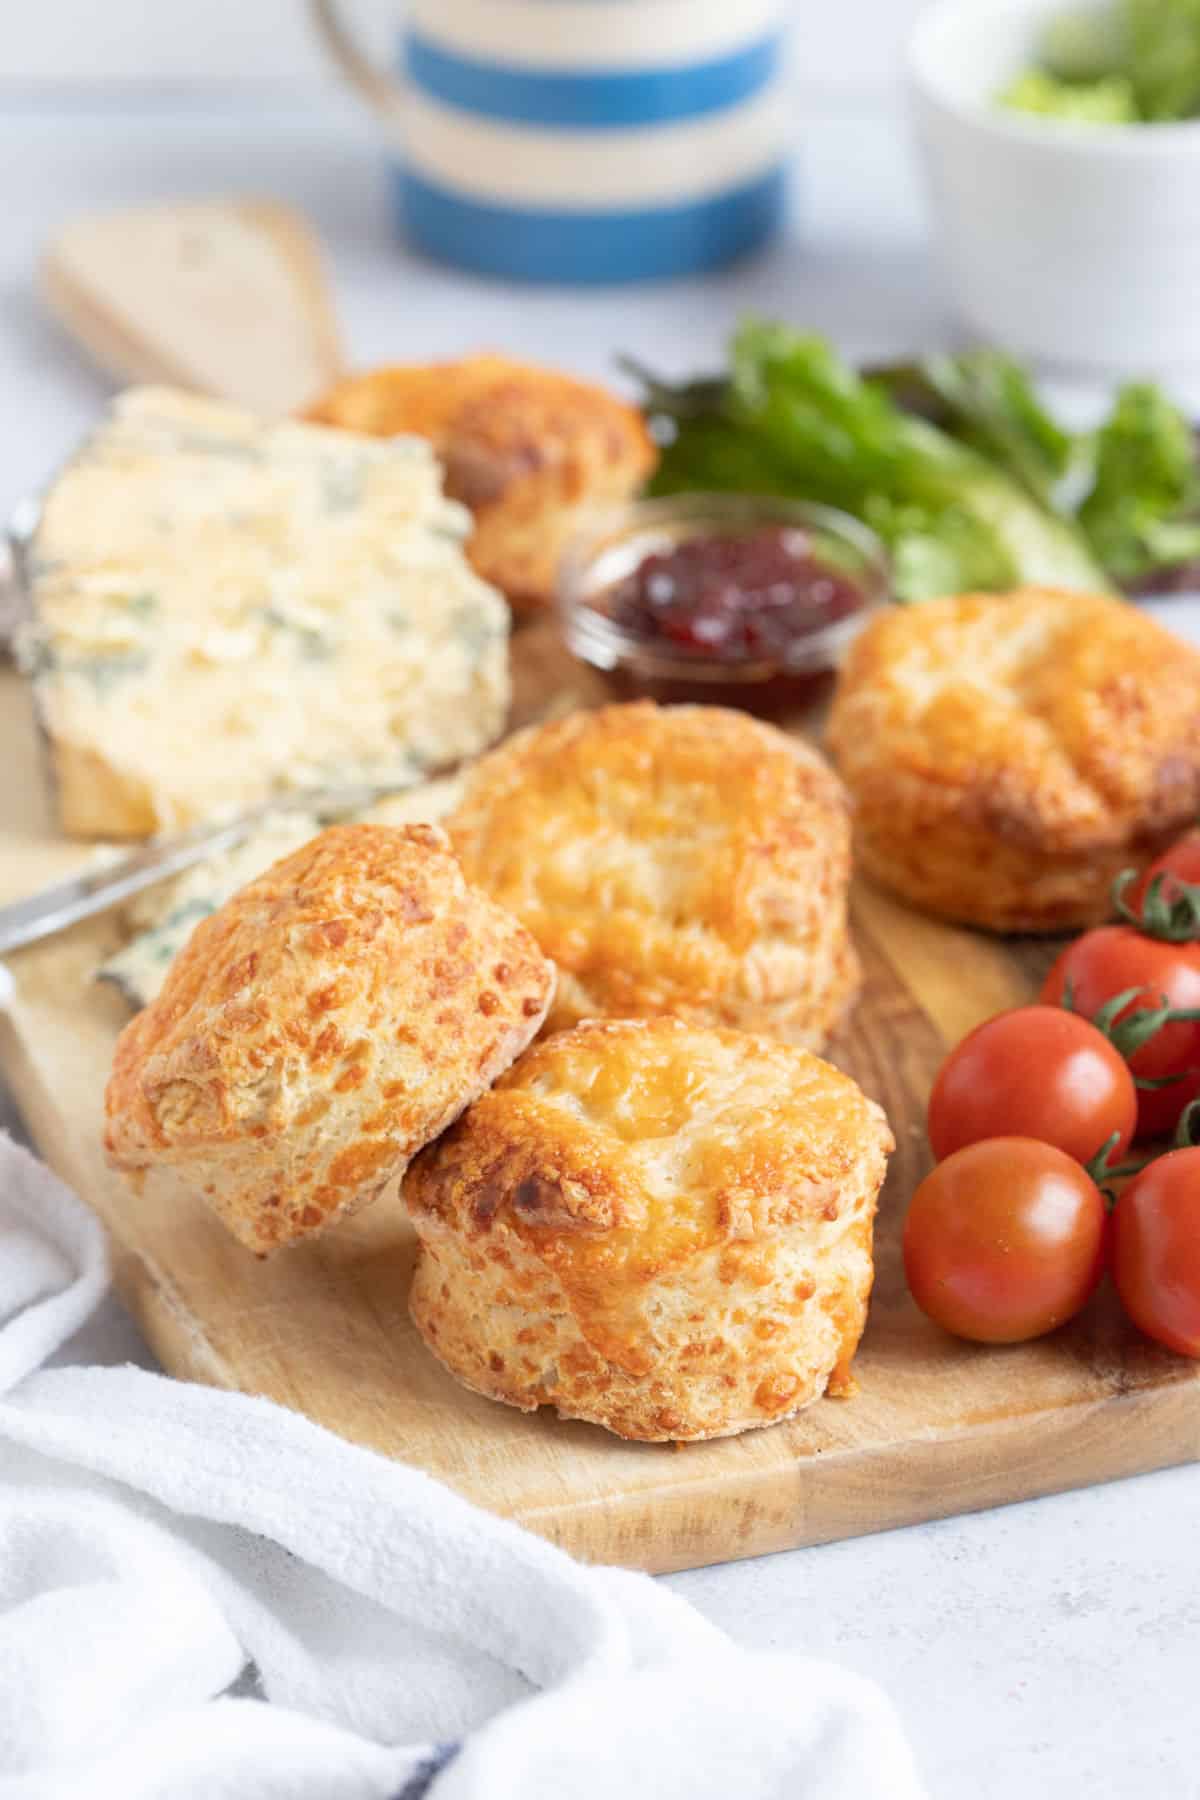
[52, 909]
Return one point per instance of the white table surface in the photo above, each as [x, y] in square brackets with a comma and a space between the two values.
[1040, 1652]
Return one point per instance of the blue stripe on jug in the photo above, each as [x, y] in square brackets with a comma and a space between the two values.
[542, 244]
[600, 99]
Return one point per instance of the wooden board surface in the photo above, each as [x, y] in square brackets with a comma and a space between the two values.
[939, 1427]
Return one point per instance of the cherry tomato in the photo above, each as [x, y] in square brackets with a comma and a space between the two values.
[1036, 1072]
[1004, 1241]
[1179, 864]
[1156, 1250]
[1104, 963]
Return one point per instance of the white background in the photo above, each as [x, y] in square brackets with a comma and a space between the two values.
[839, 45]
[106, 103]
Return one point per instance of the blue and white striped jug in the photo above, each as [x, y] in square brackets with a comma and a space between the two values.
[581, 140]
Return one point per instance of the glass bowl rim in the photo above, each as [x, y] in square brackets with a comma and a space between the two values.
[595, 639]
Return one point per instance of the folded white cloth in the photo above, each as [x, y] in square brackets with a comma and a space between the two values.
[204, 1595]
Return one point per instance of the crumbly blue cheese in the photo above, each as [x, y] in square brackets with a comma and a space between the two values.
[161, 919]
[226, 610]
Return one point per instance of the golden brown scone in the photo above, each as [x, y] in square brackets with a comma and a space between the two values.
[528, 450]
[327, 1021]
[681, 860]
[1009, 755]
[661, 1229]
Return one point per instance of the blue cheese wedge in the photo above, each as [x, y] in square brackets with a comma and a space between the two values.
[161, 919]
[225, 610]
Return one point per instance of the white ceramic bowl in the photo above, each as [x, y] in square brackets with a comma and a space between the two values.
[1076, 244]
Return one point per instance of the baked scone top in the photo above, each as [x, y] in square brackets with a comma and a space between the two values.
[1054, 717]
[327, 1021]
[663, 856]
[621, 1147]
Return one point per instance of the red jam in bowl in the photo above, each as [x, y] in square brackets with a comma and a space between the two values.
[733, 598]
[719, 607]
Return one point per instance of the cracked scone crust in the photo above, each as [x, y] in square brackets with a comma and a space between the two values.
[528, 450]
[685, 861]
[330, 1019]
[1009, 755]
[661, 1229]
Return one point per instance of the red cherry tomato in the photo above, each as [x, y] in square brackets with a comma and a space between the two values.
[1178, 865]
[1104, 963]
[1156, 1250]
[1036, 1072]
[1004, 1241]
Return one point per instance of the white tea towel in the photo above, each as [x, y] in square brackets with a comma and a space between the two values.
[204, 1595]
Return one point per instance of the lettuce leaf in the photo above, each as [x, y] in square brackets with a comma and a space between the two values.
[794, 418]
[1143, 512]
[1163, 56]
[987, 400]
[1085, 43]
[1111, 100]
[1127, 61]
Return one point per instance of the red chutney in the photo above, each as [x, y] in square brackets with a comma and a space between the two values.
[732, 597]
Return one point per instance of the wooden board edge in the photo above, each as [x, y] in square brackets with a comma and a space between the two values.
[145, 1290]
[18, 1072]
[168, 1328]
[991, 1464]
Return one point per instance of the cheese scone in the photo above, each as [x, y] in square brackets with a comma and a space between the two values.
[527, 449]
[677, 860]
[324, 1024]
[226, 611]
[661, 1229]
[1008, 755]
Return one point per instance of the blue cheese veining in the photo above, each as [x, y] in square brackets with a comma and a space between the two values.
[160, 920]
[226, 610]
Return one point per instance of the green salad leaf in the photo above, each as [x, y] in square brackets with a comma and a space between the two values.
[1127, 62]
[1164, 56]
[1085, 43]
[988, 401]
[1143, 511]
[793, 417]
[1109, 101]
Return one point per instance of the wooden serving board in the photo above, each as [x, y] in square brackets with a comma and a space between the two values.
[939, 1426]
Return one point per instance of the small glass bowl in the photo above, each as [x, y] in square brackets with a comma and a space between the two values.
[797, 678]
